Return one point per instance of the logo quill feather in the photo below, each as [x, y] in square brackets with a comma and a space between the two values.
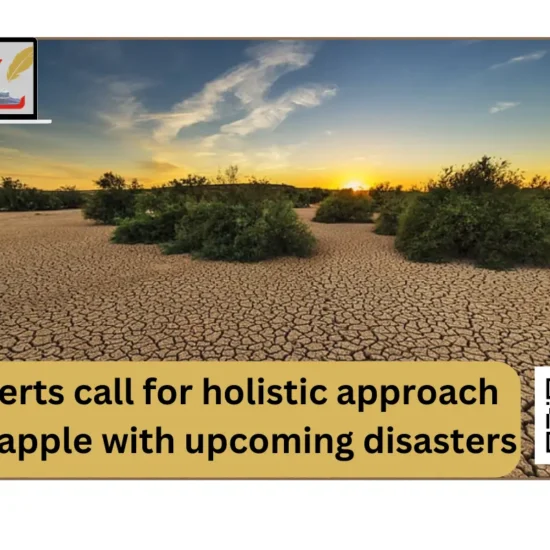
[21, 62]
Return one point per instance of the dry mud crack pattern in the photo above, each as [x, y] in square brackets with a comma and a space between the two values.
[67, 293]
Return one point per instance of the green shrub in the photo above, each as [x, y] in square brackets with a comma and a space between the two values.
[345, 207]
[317, 195]
[381, 193]
[109, 206]
[70, 197]
[301, 198]
[391, 209]
[481, 213]
[484, 176]
[157, 200]
[113, 202]
[436, 228]
[514, 232]
[148, 228]
[50, 201]
[15, 196]
[245, 232]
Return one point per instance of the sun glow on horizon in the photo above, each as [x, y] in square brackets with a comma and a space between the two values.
[355, 185]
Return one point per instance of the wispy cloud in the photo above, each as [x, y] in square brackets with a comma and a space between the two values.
[124, 105]
[248, 82]
[238, 157]
[358, 159]
[158, 166]
[10, 152]
[328, 132]
[503, 106]
[276, 157]
[273, 158]
[210, 141]
[535, 56]
[205, 154]
[271, 114]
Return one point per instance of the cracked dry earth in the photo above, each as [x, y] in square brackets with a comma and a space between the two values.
[67, 293]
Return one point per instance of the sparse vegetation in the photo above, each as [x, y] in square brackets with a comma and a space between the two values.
[229, 176]
[15, 196]
[485, 212]
[116, 201]
[345, 207]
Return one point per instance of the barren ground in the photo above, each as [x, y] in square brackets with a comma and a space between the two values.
[66, 293]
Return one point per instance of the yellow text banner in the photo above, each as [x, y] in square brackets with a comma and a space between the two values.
[258, 420]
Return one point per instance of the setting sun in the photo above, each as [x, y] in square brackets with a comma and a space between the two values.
[355, 186]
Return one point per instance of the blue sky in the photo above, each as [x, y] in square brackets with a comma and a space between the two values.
[303, 112]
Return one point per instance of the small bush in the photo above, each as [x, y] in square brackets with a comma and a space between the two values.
[381, 193]
[70, 197]
[245, 232]
[391, 209]
[345, 207]
[317, 195]
[484, 176]
[15, 196]
[481, 213]
[302, 199]
[158, 200]
[113, 202]
[514, 232]
[149, 229]
[109, 206]
[438, 229]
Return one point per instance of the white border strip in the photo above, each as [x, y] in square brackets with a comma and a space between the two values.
[478, 515]
[287, 18]
[40, 121]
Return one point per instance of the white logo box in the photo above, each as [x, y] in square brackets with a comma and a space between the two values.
[542, 415]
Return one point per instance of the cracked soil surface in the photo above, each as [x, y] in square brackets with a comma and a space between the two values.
[67, 293]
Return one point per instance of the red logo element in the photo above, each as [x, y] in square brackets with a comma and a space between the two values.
[19, 105]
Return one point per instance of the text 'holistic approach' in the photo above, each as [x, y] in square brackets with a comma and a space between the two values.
[189, 420]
